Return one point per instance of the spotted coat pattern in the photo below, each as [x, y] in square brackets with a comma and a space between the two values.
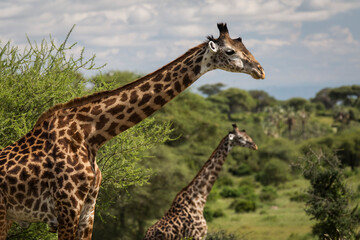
[185, 217]
[50, 174]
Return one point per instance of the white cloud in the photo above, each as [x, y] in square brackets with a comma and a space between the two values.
[143, 35]
[338, 40]
[9, 10]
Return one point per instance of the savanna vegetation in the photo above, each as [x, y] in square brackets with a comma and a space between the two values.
[302, 183]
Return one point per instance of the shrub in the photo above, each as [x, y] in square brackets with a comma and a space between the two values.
[243, 205]
[218, 213]
[225, 181]
[244, 191]
[242, 170]
[222, 235]
[268, 193]
[274, 172]
[299, 197]
[209, 214]
[229, 192]
[247, 192]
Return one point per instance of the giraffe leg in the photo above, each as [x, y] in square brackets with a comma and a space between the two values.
[5, 224]
[88, 211]
[86, 221]
[68, 219]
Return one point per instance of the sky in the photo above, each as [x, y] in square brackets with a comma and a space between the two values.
[303, 45]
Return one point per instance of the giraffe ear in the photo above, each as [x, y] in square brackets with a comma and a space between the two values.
[213, 46]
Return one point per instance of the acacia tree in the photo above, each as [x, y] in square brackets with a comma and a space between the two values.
[348, 95]
[211, 89]
[262, 98]
[233, 100]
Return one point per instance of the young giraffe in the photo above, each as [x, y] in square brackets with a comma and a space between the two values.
[50, 174]
[185, 217]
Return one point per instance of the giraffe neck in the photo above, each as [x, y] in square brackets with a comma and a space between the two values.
[201, 185]
[103, 115]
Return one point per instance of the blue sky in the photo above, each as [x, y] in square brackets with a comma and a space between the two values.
[303, 45]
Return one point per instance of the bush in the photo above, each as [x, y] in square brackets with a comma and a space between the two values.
[218, 213]
[299, 197]
[229, 192]
[268, 193]
[244, 191]
[209, 214]
[242, 170]
[247, 192]
[243, 205]
[222, 235]
[225, 181]
[274, 172]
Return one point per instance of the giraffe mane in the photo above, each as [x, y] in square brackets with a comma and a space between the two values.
[204, 166]
[76, 102]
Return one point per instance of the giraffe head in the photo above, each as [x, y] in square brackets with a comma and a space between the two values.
[240, 138]
[231, 55]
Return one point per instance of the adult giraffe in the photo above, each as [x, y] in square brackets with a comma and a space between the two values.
[50, 174]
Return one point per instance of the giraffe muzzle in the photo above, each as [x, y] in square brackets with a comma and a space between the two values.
[258, 73]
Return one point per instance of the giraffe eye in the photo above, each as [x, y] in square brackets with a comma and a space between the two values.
[229, 51]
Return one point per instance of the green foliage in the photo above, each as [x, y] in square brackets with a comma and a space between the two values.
[31, 81]
[299, 197]
[348, 95]
[225, 181]
[241, 170]
[298, 103]
[211, 89]
[344, 95]
[263, 99]
[230, 192]
[120, 160]
[210, 214]
[279, 148]
[345, 143]
[222, 235]
[244, 191]
[112, 79]
[35, 79]
[233, 100]
[323, 97]
[243, 205]
[38, 231]
[274, 120]
[190, 108]
[274, 172]
[328, 201]
[268, 193]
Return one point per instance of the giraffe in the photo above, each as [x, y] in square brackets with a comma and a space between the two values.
[185, 217]
[50, 175]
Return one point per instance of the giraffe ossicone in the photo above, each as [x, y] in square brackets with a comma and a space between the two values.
[185, 217]
[50, 175]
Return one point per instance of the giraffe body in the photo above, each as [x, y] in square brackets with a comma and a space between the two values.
[185, 217]
[51, 175]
